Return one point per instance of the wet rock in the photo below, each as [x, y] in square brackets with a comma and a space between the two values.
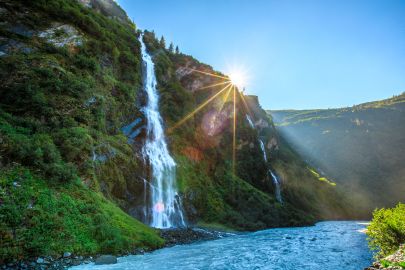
[106, 259]
[188, 235]
[67, 254]
[76, 262]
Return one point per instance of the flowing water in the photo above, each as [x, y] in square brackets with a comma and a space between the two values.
[263, 150]
[250, 121]
[277, 184]
[332, 245]
[276, 181]
[164, 207]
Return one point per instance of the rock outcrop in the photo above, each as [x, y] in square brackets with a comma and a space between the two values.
[395, 261]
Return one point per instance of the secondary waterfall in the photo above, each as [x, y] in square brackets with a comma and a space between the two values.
[278, 187]
[263, 150]
[276, 181]
[250, 121]
[164, 208]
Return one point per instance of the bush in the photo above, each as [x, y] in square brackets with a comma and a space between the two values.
[387, 230]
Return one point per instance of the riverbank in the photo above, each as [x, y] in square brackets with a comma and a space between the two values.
[395, 261]
[172, 237]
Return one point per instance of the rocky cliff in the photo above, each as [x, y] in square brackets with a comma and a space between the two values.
[72, 127]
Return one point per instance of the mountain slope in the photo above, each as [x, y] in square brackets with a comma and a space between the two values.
[72, 127]
[361, 147]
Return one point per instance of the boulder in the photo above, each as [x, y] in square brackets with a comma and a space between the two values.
[67, 254]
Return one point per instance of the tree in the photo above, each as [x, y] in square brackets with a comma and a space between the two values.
[162, 42]
[171, 47]
[177, 50]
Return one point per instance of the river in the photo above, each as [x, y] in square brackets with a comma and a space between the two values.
[331, 245]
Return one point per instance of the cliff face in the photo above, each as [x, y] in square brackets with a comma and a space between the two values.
[360, 147]
[72, 127]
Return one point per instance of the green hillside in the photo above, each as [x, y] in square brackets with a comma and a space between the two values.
[359, 147]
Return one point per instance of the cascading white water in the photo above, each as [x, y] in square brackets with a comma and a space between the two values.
[250, 121]
[164, 207]
[278, 187]
[276, 182]
[263, 150]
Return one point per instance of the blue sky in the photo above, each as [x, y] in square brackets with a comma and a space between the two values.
[298, 54]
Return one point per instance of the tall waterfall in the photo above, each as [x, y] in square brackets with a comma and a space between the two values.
[277, 184]
[164, 208]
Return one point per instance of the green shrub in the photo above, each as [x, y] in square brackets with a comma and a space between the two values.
[387, 229]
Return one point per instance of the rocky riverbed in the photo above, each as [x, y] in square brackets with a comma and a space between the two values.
[395, 261]
[67, 259]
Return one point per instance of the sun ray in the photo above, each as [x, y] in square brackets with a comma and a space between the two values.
[226, 97]
[187, 117]
[246, 105]
[211, 85]
[234, 132]
[209, 74]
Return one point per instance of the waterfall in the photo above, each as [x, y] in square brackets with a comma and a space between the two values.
[250, 121]
[263, 150]
[164, 207]
[277, 184]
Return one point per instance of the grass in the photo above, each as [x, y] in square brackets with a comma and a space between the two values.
[323, 179]
[40, 219]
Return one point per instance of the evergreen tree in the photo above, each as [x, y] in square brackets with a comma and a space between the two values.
[177, 50]
[162, 42]
[171, 47]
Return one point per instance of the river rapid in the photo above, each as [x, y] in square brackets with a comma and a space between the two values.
[331, 245]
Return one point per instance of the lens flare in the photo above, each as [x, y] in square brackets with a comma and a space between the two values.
[237, 80]
[159, 207]
[187, 117]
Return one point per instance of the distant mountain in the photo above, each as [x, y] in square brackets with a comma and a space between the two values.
[361, 148]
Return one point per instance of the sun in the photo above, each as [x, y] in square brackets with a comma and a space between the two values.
[238, 78]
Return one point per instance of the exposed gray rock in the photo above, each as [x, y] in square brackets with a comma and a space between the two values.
[109, 8]
[90, 101]
[106, 259]
[62, 35]
[9, 46]
[21, 30]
